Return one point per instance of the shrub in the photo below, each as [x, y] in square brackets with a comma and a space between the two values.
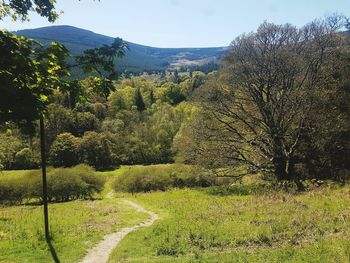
[96, 149]
[160, 177]
[64, 184]
[12, 190]
[24, 159]
[94, 183]
[64, 150]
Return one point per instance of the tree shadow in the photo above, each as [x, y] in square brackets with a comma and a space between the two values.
[53, 252]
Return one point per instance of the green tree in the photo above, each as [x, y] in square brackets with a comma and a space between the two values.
[255, 112]
[96, 149]
[58, 120]
[152, 98]
[173, 94]
[176, 77]
[25, 159]
[20, 9]
[29, 74]
[139, 103]
[64, 151]
[9, 146]
[83, 122]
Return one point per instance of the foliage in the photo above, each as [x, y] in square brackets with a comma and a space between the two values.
[255, 111]
[20, 9]
[101, 59]
[64, 150]
[59, 119]
[173, 95]
[83, 122]
[25, 159]
[64, 184]
[139, 103]
[124, 135]
[326, 144]
[202, 226]
[12, 190]
[160, 177]
[9, 146]
[98, 150]
[29, 74]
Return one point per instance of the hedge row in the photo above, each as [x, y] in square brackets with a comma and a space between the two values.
[64, 184]
[161, 177]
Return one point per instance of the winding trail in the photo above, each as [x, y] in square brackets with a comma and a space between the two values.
[100, 253]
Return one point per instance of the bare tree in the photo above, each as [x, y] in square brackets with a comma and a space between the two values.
[255, 110]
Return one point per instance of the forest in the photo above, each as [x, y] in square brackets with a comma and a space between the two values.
[246, 160]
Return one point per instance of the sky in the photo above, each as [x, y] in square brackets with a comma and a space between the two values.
[182, 23]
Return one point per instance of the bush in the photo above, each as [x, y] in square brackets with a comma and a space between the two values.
[64, 150]
[94, 183]
[96, 149]
[24, 159]
[13, 190]
[160, 177]
[64, 184]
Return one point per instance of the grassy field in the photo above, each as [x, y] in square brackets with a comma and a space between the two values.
[217, 224]
[75, 227]
[211, 225]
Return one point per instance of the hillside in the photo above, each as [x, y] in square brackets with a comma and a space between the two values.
[139, 58]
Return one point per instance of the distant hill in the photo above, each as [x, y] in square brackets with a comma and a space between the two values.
[139, 58]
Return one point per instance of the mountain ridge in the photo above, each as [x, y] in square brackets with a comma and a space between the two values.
[138, 59]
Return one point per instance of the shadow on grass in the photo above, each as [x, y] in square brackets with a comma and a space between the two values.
[53, 252]
[35, 203]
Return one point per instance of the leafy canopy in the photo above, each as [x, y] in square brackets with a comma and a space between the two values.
[19, 9]
[28, 74]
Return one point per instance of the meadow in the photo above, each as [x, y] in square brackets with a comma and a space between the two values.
[75, 227]
[246, 222]
[214, 226]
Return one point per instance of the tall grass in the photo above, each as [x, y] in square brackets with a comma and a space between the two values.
[203, 226]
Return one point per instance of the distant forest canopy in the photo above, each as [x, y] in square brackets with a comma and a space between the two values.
[136, 124]
[277, 106]
[139, 58]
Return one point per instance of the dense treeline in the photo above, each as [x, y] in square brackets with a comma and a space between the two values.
[135, 124]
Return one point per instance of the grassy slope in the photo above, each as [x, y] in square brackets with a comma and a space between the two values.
[207, 225]
[201, 226]
[75, 227]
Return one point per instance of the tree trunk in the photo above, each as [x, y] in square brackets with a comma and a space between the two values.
[44, 181]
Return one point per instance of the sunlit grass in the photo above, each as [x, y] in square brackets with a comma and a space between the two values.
[75, 227]
[201, 226]
[243, 223]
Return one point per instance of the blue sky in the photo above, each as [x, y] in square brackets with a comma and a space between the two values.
[183, 23]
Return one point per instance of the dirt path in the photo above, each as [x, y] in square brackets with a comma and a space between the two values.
[100, 253]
